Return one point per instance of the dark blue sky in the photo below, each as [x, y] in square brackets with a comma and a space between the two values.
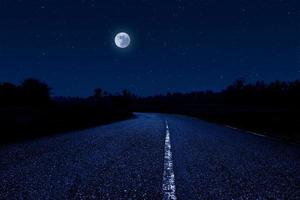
[177, 45]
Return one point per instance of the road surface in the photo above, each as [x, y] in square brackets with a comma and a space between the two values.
[152, 156]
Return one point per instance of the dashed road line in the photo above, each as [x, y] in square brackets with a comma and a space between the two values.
[234, 128]
[250, 132]
[257, 134]
[169, 188]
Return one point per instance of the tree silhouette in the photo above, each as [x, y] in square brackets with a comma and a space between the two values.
[35, 92]
[9, 93]
[98, 93]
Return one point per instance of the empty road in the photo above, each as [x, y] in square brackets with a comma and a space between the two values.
[152, 156]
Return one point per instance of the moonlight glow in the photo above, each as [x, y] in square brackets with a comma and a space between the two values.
[122, 40]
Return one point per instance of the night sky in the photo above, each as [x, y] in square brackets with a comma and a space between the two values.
[176, 45]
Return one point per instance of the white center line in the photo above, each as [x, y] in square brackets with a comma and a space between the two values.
[169, 189]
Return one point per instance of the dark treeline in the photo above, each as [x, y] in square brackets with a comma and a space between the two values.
[30, 92]
[269, 108]
[239, 93]
[28, 110]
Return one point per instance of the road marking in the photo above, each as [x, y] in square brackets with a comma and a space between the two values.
[251, 132]
[169, 188]
[257, 134]
[231, 127]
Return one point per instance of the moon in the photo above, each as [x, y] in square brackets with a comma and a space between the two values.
[122, 40]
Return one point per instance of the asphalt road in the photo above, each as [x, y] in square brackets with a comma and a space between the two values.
[152, 156]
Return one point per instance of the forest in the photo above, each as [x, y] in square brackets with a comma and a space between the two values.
[30, 109]
[267, 108]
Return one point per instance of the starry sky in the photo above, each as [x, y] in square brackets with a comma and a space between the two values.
[176, 45]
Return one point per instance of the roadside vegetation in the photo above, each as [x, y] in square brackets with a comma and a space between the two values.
[267, 108]
[28, 110]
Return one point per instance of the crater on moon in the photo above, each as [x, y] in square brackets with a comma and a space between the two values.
[122, 40]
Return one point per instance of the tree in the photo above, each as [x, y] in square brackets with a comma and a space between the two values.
[8, 93]
[98, 93]
[35, 92]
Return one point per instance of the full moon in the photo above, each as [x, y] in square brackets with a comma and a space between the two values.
[122, 40]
